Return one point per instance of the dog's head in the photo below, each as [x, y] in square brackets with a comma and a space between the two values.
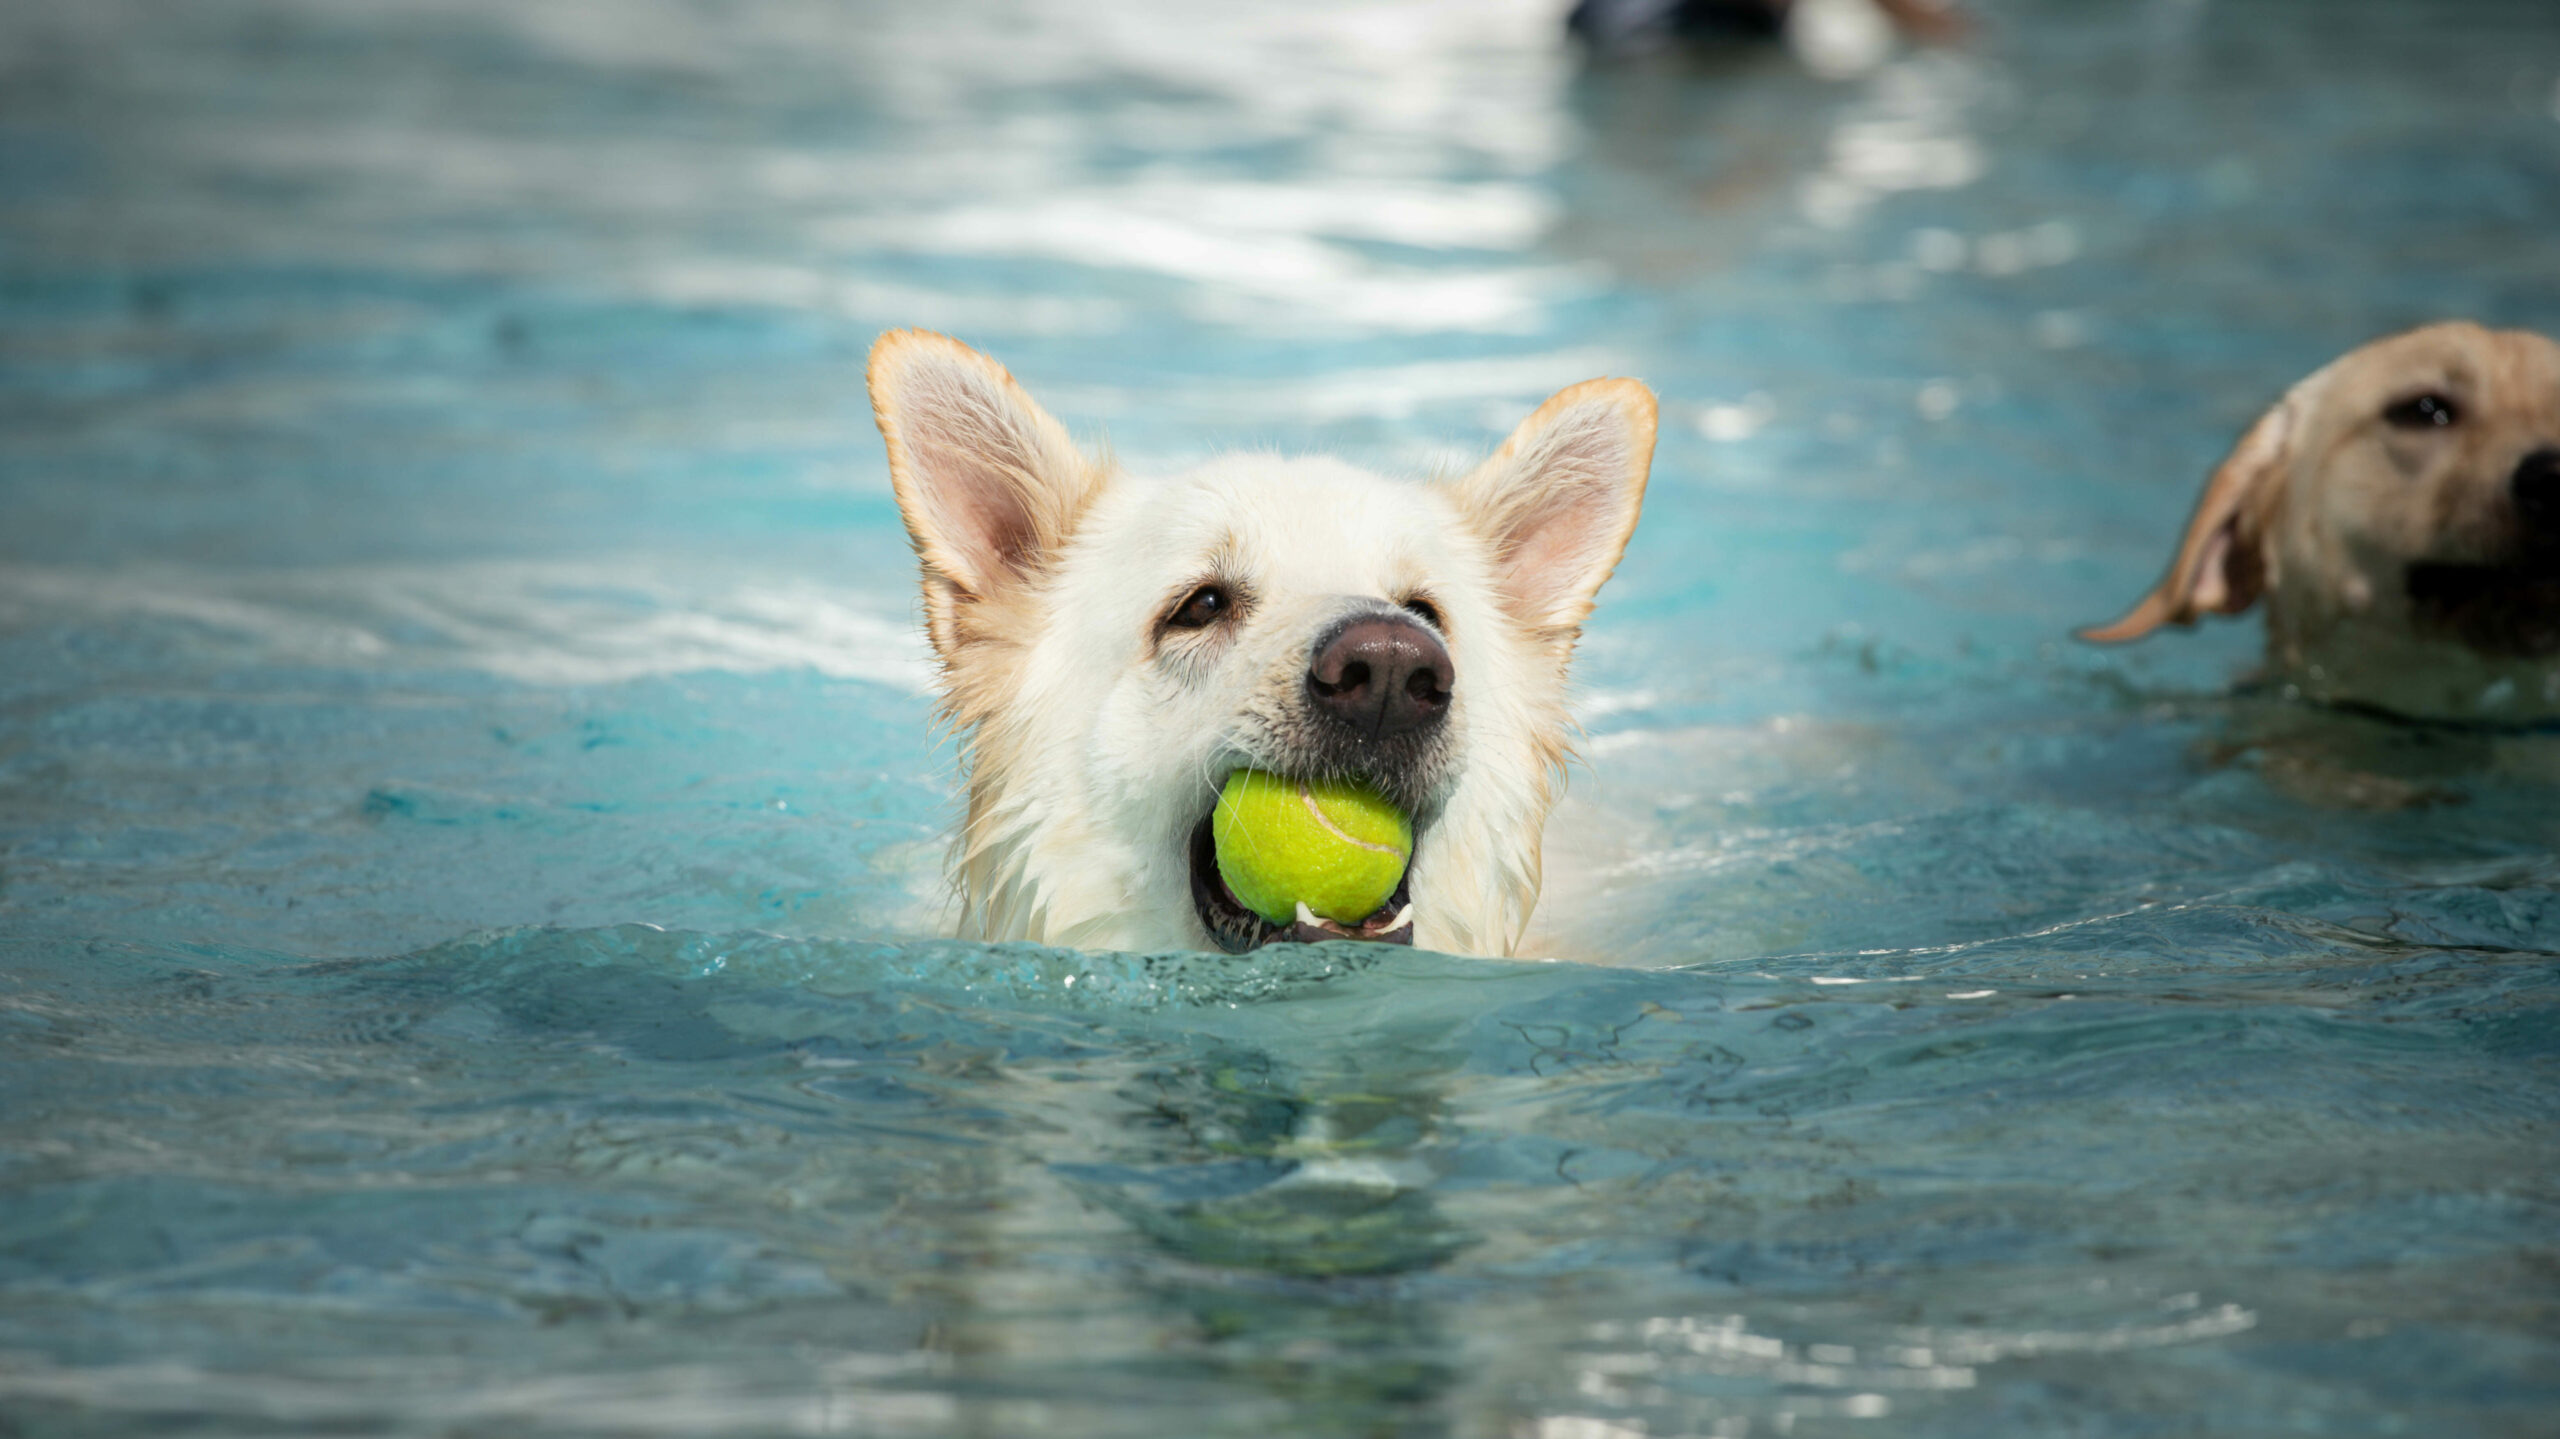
[2399, 511]
[1113, 647]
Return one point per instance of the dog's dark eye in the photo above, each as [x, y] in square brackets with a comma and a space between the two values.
[2423, 412]
[1199, 609]
[1424, 610]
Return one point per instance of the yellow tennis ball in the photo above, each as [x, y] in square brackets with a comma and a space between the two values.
[1337, 848]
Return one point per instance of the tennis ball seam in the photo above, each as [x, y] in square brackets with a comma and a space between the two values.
[1307, 797]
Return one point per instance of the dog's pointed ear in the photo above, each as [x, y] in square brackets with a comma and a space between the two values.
[2221, 565]
[990, 486]
[1558, 500]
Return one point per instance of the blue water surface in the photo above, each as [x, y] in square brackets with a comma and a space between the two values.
[470, 817]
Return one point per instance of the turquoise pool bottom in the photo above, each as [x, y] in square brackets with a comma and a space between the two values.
[631, 1180]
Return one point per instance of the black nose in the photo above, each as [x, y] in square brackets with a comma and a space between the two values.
[2537, 491]
[1382, 675]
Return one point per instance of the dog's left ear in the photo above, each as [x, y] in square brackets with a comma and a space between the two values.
[1560, 497]
[990, 486]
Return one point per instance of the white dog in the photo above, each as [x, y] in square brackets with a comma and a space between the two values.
[1112, 648]
[2399, 512]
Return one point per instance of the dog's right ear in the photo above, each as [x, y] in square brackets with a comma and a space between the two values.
[2221, 566]
[990, 486]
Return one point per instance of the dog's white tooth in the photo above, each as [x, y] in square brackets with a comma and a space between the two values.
[1403, 917]
[1306, 915]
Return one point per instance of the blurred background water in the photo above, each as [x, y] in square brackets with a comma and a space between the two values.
[470, 823]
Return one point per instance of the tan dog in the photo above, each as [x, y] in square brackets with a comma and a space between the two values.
[2399, 513]
[1114, 646]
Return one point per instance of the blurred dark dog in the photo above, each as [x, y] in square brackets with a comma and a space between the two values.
[1622, 26]
[2399, 514]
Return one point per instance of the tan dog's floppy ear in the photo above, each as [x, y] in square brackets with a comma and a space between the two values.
[990, 486]
[1560, 497]
[2220, 568]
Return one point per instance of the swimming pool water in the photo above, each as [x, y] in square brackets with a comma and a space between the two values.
[470, 819]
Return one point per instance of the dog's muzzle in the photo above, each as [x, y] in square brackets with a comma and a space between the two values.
[1374, 706]
[2509, 607]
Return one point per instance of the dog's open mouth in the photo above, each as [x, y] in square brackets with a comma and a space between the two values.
[2507, 610]
[1238, 929]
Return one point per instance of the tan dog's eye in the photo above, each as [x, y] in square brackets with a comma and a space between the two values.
[2423, 412]
[1425, 611]
[1201, 608]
